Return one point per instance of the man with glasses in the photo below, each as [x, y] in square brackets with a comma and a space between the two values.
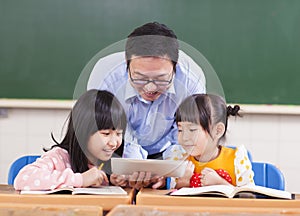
[152, 82]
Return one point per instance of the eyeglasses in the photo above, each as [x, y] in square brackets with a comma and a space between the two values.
[146, 81]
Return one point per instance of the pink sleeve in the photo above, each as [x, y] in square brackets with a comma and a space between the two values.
[52, 170]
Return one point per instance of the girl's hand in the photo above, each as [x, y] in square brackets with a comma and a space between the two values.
[211, 177]
[184, 181]
[189, 170]
[119, 180]
[94, 177]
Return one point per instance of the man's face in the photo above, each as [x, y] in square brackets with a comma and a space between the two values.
[150, 76]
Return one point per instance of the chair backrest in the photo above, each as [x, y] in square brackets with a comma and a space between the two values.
[18, 164]
[268, 175]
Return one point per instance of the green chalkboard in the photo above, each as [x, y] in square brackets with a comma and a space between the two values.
[254, 46]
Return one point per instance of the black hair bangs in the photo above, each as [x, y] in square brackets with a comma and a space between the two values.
[195, 109]
[109, 115]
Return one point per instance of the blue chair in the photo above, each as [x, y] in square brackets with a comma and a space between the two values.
[267, 175]
[17, 166]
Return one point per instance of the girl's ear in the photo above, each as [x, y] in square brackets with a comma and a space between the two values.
[219, 130]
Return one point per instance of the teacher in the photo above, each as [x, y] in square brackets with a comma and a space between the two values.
[150, 79]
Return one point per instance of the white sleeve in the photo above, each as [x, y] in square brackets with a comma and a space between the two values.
[243, 168]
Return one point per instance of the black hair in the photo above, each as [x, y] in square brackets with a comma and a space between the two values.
[206, 110]
[152, 39]
[94, 110]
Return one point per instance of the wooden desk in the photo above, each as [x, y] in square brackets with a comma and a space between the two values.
[9, 195]
[141, 210]
[157, 197]
[19, 209]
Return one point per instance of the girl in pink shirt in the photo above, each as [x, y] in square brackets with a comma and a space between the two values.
[95, 131]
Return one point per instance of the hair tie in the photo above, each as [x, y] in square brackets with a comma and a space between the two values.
[233, 111]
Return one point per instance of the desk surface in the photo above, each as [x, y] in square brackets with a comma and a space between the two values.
[20, 209]
[158, 197]
[151, 210]
[107, 202]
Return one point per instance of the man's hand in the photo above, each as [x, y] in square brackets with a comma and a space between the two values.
[139, 180]
[119, 180]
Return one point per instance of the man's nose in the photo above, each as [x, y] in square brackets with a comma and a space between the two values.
[151, 86]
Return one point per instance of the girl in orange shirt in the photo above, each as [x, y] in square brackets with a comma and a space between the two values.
[202, 124]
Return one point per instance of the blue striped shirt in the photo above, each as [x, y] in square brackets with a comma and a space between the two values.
[151, 124]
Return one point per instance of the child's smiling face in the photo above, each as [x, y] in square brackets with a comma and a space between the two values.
[193, 138]
[102, 144]
[196, 141]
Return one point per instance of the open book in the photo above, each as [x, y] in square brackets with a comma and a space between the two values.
[168, 168]
[104, 190]
[231, 191]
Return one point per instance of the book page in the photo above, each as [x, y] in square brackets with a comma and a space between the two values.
[167, 168]
[231, 191]
[104, 190]
[223, 190]
[264, 190]
[64, 190]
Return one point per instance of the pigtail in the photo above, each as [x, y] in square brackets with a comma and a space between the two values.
[234, 111]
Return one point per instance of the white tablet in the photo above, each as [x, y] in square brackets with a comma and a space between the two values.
[167, 168]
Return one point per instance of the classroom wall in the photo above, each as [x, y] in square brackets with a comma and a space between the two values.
[271, 138]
